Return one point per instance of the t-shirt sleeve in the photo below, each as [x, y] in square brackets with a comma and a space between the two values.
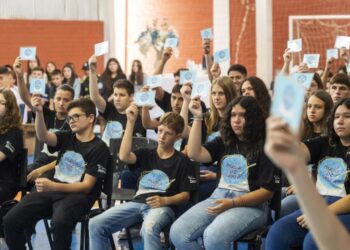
[315, 146]
[215, 147]
[98, 160]
[188, 178]
[269, 174]
[62, 138]
[108, 110]
[12, 144]
[142, 156]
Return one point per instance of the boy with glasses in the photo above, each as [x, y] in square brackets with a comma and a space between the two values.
[77, 180]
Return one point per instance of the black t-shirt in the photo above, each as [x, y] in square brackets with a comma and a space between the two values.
[11, 145]
[163, 177]
[331, 164]
[105, 90]
[52, 124]
[76, 158]
[116, 124]
[243, 167]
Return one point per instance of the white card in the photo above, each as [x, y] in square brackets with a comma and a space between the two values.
[332, 53]
[171, 43]
[145, 99]
[101, 48]
[207, 34]
[27, 53]
[294, 45]
[311, 60]
[154, 81]
[342, 41]
[200, 89]
[37, 86]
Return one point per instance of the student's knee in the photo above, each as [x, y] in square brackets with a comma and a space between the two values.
[150, 227]
[61, 226]
[309, 243]
[213, 237]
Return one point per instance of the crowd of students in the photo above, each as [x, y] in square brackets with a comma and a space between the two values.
[237, 179]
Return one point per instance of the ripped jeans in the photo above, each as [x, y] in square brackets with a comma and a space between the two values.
[125, 215]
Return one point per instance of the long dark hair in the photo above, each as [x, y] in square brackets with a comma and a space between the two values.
[12, 117]
[261, 93]
[254, 127]
[136, 77]
[106, 77]
[328, 104]
[72, 78]
[333, 137]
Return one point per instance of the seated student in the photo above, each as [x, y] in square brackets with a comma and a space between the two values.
[167, 180]
[56, 81]
[76, 184]
[38, 72]
[248, 179]
[330, 155]
[318, 109]
[238, 73]
[339, 87]
[114, 113]
[54, 120]
[11, 144]
[222, 92]
[137, 76]
[8, 80]
[328, 232]
[71, 78]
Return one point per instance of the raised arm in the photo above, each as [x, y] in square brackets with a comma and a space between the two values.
[195, 150]
[168, 52]
[94, 93]
[125, 153]
[22, 88]
[41, 131]
[325, 74]
[287, 58]
[186, 95]
[207, 57]
[284, 150]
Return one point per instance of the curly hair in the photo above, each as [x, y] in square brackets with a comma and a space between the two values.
[261, 93]
[12, 117]
[328, 104]
[334, 139]
[254, 127]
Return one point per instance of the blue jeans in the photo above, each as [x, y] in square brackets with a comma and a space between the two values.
[125, 215]
[206, 188]
[129, 178]
[286, 232]
[289, 205]
[216, 231]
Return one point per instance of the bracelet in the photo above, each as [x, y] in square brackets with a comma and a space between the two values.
[198, 119]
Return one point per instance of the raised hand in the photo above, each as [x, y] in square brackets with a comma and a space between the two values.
[186, 90]
[132, 112]
[37, 103]
[196, 107]
[18, 66]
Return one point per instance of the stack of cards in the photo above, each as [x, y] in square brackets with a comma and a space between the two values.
[294, 45]
[171, 43]
[187, 76]
[200, 89]
[304, 79]
[101, 48]
[27, 53]
[145, 99]
[37, 86]
[311, 60]
[288, 101]
[154, 81]
[221, 56]
[332, 53]
[207, 34]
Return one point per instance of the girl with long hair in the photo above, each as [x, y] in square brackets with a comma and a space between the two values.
[113, 72]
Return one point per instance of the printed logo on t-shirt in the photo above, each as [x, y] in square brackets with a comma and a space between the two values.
[155, 181]
[113, 130]
[234, 173]
[331, 177]
[9, 146]
[213, 135]
[70, 168]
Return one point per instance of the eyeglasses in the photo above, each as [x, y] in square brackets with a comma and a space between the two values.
[74, 117]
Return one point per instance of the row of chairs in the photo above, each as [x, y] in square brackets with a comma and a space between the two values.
[111, 193]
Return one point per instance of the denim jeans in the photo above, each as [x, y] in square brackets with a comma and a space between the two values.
[129, 178]
[289, 205]
[216, 231]
[127, 214]
[286, 232]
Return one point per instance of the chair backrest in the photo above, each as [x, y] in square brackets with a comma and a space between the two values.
[137, 143]
[107, 185]
[22, 170]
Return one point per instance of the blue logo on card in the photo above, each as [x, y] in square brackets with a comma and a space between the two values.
[114, 130]
[332, 173]
[27, 52]
[71, 167]
[156, 180]
[234, 169]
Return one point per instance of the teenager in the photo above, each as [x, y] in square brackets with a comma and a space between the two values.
[76, 184]
[137, 75]
[71, 78]
[56, 81]
[50, 67]
[238, 73]
[339, 87]
[167, 179]
[330, 156]
[248, 179]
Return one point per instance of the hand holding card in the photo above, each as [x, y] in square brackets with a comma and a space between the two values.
[171, 43]
[221, 56]
[332, 53]
[154, 81]
[311, 60]
[200, 89]
[207, 34]
[187, 76]
[304, 79]
[294, 45]
[37, 86]
[145, 99]
[101, 48]
[27, 53]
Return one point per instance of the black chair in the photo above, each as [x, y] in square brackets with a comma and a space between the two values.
[107, 187]
[254, 238]
[22, 181]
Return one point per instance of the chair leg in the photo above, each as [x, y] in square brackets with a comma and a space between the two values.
[131, 246]
[235, 245]
[111, 240]
[48, 232]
